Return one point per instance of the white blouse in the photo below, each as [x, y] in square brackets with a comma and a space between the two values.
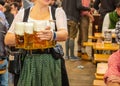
[106, 23]
[61, 19]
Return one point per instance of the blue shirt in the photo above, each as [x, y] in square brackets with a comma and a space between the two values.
[3, 19]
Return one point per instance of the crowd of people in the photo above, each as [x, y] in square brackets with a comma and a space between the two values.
[72, 19]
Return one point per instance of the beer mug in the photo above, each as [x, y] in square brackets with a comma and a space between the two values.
[41, 44]
[19, 34]
[39, 25]
[28, 35]
[107, 37]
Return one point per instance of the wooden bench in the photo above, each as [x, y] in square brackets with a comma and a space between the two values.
[100, 71]
[98, 83]
[106, 46]
[101, 58]
[92, 37]
[97, 35]
[88, 43]
[101, 68]
[86, 57]
[100, 77]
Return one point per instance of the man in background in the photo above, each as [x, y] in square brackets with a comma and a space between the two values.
[3, 53]
[72, 9]
[85, 18]
[103, 7]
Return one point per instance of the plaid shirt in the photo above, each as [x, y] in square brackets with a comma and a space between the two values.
[117, 31]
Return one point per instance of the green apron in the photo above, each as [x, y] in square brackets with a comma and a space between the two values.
[40, 70]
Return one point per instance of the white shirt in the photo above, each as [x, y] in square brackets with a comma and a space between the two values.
[106, 23]
[61, 19]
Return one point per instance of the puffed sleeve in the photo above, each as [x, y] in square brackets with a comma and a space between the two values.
[61, 19]
[18, 17]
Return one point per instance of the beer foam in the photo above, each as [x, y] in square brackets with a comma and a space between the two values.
[40, 25]
[19, 28]
[29, 27]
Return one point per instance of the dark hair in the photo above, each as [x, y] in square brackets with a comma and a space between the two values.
[2, 2]
[8, 7]
[118, 5]
[16, 4]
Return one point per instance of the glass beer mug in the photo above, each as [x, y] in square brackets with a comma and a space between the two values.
[28, 35]
[107, 37]
[19, 34]
[41, 44]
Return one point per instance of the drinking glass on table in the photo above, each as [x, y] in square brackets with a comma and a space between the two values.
[107, 37]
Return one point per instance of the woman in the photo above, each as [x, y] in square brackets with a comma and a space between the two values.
[41, 69]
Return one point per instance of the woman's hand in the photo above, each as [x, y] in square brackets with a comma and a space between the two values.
[46, 34]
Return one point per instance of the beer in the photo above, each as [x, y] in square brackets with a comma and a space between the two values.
[39, 25]
[41, 44]
[28, 35]
[19, 34]
[27, 38]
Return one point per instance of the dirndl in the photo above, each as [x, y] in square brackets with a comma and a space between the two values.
[40, 70]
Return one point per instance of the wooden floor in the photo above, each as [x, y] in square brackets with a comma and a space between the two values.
[77, 76]
[80, 76]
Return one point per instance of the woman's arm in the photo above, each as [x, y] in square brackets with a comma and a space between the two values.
[10, 36]
[61, 23]
[10, 39]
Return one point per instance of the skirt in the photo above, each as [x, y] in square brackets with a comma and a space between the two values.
[41, 70]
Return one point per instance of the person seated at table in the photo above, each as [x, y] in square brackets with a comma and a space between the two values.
[111, 19]
[112, 75]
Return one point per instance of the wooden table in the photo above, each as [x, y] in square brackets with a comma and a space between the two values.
[98, 83]
[88, 44]
[103, 57]
[97, 35]
[108, 46]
